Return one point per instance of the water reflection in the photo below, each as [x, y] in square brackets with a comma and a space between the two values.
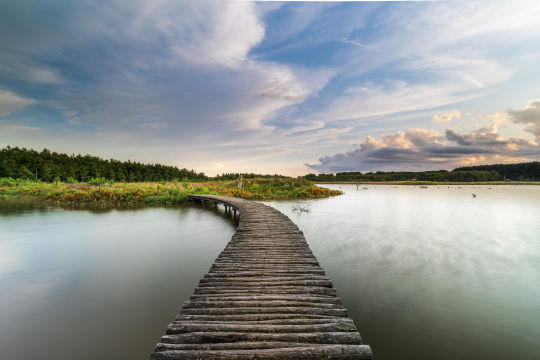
[434, 273]
[426, 273]
[99, 284]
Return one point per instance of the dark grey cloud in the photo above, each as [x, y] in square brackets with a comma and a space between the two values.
[452, 136]
[423, 149]
[529, 115]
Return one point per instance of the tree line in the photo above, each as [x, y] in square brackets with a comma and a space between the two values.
[22, 163]
[51, 166]
[522, 171]
[234, 176]
[529, 171]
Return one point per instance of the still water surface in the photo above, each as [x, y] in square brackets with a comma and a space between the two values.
[433, 273]
[99, 285]
[425, 273]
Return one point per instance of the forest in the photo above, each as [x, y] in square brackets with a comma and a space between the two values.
[49, 166]
[21, 163]
[529, 171]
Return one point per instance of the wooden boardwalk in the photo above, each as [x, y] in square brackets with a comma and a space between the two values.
[264, 297]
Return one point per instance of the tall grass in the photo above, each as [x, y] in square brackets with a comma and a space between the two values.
[147, 193]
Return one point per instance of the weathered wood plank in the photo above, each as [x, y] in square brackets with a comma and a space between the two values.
[180, 327]
[266, 290]
[297, 321]
[256, 317]
[283, 297]
[265, 310]
[349, 338]
[265, 297]
[342, 352]
[229, 346]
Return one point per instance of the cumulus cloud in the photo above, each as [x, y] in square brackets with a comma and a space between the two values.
[204, 32]
[10, 102]
[446, 117]
[424, 149]
[253, 81]
[529, 116]
[182, 67]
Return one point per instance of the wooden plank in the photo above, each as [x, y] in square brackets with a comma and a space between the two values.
[342, 352]
[265, 297]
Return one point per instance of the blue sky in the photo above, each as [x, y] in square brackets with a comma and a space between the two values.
[274, 87]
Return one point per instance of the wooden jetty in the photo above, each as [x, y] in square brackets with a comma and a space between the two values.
[265, 297]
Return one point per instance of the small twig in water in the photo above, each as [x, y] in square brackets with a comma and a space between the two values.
[301, 207]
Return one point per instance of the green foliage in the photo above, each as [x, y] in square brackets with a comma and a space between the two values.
[7, 181]
[276, 188]
[21, 163]
[150, 193]
[97, 181]
[517, 172]
[234, 176]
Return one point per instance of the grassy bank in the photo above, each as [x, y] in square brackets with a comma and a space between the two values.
[411, 182]
[148, 193]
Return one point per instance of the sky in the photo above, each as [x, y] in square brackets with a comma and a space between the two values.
[274, 87]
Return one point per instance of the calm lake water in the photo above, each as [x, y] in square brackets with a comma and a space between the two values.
[425, 273]
[433, 273]
[99, 285]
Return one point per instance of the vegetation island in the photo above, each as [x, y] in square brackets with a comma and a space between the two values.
[48, 177]
[77, 180]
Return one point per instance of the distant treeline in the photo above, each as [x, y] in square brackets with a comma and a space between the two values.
[517, 172]
[235, 176]
[50, 166]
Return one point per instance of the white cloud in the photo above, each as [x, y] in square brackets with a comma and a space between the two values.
[391, 98]
[177, 74]
[446, 117]
[204, 32]
[304, 127]
[424, 149]
[14, 70]
[274, 87]
[498, 118]
[432, 55]
[10, 102]
[180, 66]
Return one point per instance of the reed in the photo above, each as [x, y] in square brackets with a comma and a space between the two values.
[162, 193]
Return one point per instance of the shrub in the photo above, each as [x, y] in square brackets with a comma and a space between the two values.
[97, 181]
[7, 181]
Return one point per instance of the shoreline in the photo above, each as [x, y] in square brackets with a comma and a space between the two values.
[154, 193]
[432, 183]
